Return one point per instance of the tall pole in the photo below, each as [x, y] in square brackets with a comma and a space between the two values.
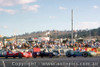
[15, 37]
[72, 25]
[90, 34]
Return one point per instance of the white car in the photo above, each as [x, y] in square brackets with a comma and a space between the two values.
[61, 52]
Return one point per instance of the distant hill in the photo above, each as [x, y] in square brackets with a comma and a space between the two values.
[61, 34]
[53, 34]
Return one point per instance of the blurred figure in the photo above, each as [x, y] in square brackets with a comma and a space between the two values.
[1, 45]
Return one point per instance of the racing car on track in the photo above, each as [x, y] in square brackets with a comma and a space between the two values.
[2, 53]
[45, 53]
[80, 53]
[48, 52]
[18, 54]
[61, 52]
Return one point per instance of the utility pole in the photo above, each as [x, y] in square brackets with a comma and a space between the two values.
[72, 25]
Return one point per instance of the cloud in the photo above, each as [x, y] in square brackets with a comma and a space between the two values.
[10, 11]
[5, 27]
[89, 25]
[52, 17]
[33, 8]
[95, 6]
[25, 1]
[6, 2]
[15, 2]
[62, 8]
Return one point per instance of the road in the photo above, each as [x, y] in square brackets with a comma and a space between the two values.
[51, 62]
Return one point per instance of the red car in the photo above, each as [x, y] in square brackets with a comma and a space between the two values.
[18, 54]
[25, 54]
[11, 54]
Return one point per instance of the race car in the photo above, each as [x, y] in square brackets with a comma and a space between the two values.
[25, 54]
[80, 53]
[60, 52]
[36, 52]
[2, 53]
[47, 52]
[11, 54]
[44, 53]
[56, 52]
[18, 54]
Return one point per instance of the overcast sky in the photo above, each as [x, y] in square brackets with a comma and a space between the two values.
[22, 16]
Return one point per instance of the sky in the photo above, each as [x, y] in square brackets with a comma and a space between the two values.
[26, 16]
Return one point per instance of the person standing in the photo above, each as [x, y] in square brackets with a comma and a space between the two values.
[1, 45]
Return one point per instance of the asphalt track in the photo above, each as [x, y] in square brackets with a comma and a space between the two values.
[51, 62]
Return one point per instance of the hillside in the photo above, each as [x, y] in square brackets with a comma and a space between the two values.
[53, 34]
[61, 34]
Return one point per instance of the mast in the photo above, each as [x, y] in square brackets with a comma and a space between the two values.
[72, 25]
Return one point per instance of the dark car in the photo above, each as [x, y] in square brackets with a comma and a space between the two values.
[44, 53]
[47, 52]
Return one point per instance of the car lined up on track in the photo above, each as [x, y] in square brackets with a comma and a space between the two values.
[14, 54]
[45, 52]
[2, 53]
[80, 53]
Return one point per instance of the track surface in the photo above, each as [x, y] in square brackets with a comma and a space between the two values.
[51, 62]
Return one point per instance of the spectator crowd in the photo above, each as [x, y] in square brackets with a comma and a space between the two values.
[48, 44]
